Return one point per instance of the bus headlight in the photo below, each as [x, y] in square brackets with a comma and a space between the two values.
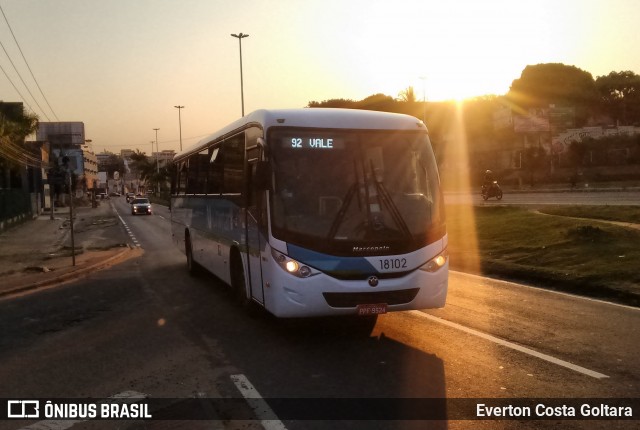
[436, 262]
[292, 266]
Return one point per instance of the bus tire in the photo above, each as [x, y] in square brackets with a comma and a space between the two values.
[239, 287]
[192, 266]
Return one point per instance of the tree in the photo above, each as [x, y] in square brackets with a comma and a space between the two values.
[534, 159]
[332, 103]
[15, 123]
[620, 96]
[554, 83]
[113, 164]
[149, 172]
[408, 95]
[139, 161]
[141, 164]
[15, 126]
[379, 102]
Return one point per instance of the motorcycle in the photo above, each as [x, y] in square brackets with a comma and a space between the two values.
[492, 190]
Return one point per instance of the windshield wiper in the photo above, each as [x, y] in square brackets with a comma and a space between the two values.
[346, 201]
[343, 210]
[385, 199]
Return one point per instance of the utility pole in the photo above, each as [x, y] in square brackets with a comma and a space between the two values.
[241, 36]
[157, 164]
[180, 124]
[65, 161]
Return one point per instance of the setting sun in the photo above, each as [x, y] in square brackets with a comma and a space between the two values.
[463, 49]
[296, 52]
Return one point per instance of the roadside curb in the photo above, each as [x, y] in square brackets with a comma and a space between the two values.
[509, 190]
[74, 273]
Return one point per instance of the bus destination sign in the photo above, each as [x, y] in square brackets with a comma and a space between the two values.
[313, 142]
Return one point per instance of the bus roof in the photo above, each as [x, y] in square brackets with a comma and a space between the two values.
[316, 118]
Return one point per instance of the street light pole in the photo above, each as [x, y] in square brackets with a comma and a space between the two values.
[157, 164]
[424, 99]
[180, 123]
[241, 36]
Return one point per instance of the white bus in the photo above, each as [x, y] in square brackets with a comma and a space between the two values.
[316, 212]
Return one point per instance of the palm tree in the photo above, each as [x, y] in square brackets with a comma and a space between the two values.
[408, 95]
[15, 126]
[149, 173]
[141, 164]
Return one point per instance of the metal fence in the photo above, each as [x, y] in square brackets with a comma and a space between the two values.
[15, 206]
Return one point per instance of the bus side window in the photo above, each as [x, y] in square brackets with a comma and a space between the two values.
[181, 185]
[202, 159]
[192, 176]
[234, 155]
[216, 170]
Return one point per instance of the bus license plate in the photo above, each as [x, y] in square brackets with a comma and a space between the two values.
[372, 309]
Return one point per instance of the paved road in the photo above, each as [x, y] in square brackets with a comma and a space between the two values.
[625, 198]
[147, 326]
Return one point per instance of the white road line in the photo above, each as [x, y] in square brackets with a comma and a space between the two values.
[514, 284]
[67, 424]
[129, 232]
[267, 417]
[512, 345]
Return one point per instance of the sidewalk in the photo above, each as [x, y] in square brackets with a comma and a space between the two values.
[37, 253]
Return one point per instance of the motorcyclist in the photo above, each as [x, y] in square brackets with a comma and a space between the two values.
[488, 180]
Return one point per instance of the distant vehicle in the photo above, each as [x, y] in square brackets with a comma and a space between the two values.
[130, 196]
[316, 212]
[115, 194]
[491, 190]
[140, 206]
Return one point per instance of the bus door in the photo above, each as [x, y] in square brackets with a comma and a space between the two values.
[256, 239]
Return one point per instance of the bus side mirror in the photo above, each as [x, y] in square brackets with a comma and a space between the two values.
[262, 176]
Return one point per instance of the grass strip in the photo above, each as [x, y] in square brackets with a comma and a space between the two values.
[549, 249]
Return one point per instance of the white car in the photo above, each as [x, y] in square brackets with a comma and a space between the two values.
[140, 205]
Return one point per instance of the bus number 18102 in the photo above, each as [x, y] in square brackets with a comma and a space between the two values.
[393, 263]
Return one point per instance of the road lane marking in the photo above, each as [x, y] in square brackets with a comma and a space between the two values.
[531, 287]
[265, 414]
[129, 232]
[126, 227]
[512, 345]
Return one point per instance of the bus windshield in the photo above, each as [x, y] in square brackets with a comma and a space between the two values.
[362, 192]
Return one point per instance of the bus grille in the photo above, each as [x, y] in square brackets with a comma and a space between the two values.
[351, 300]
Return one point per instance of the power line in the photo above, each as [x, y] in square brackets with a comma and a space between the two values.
[120, 145]
[17, 90]
[28, 67]
[19, 154]
[22, 80]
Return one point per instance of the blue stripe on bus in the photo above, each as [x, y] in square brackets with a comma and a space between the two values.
[331, 263]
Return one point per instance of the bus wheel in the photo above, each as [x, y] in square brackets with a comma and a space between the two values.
[192, 266]
[239, 291]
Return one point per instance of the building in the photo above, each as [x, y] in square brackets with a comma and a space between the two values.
[164, 157]
[20, 169]
[66, 141]
[61, 135]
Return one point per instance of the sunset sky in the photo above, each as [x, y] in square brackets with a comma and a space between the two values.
[120, 66]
